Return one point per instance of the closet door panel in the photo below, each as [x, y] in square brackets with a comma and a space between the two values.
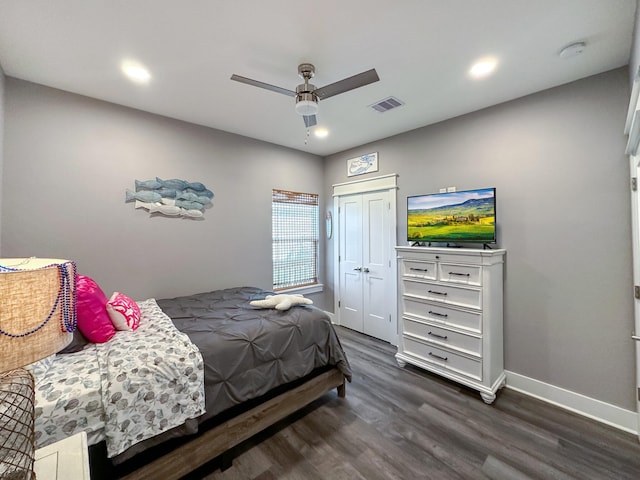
[375, 254]
[351, 297]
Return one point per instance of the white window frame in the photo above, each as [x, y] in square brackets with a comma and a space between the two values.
[283, 227]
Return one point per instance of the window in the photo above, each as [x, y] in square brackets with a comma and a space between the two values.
[294, 218]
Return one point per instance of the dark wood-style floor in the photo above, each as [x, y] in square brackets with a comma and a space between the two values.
[408, 424]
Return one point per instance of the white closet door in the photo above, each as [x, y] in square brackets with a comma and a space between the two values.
[635, 217]
[350, 232]
[632, 127]
[366, 286]
[375, 265]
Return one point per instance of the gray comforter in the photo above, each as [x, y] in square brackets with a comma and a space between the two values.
[249, 351]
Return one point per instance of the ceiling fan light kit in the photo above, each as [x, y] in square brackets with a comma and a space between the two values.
[307, 95]
[306, 106]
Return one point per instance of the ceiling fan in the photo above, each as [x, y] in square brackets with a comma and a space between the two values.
[307, 95]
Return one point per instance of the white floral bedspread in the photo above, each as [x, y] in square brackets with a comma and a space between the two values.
[68, 397]
[136, 385]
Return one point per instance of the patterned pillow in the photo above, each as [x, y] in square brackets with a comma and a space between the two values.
[124, 312]
[93, 321]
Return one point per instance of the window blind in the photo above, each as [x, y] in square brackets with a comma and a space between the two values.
[295, 226]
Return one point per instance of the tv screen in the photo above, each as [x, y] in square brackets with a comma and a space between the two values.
[467, 216]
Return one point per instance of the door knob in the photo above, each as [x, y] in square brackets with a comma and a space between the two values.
[358, 269]
[365, 270]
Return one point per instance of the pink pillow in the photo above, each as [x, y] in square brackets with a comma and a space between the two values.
[93, 321]
[124, 312]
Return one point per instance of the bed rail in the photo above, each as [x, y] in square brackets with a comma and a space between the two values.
[221, 438]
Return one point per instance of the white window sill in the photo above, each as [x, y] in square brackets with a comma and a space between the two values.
[317, 288]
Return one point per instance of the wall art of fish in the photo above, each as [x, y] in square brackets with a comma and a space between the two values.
[144, 196]
[147, 184]
[192, 213]
[192, 197]
[205, 193]
[171, 197]
[167, 192]
[181, 184]
[189, 205]
[169, 188]
[154, 207]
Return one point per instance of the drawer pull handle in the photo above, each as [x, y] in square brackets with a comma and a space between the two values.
[438, 293]
[443, 315]
[431, 354]
[460, 274]
[444, 337]
[418, 269]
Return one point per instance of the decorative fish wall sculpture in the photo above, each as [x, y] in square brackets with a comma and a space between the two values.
[172, 197]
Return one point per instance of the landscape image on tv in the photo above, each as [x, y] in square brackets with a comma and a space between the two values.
[467, 216]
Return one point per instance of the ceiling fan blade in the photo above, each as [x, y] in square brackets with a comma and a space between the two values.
[309, 120]
[341, 86]
[266, 86]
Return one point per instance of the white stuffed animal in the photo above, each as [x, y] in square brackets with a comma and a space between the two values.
[281, 302]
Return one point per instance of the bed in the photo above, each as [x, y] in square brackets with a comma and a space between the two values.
[209, 370]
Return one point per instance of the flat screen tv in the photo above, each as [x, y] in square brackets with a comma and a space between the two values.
[454, 217]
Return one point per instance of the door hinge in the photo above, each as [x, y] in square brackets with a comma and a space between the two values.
[639, 394]
[634, 184]
[636, 292]
[338, 303]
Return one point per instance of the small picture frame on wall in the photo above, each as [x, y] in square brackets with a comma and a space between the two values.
[363, 164]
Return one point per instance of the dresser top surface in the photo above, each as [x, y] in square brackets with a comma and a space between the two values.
[454, 251]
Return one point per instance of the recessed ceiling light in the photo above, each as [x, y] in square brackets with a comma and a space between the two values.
[136, 72]
[321, 132]
[483, 67]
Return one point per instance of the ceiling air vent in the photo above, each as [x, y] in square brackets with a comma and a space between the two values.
[386, 104]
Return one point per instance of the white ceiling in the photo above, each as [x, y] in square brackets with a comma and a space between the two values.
[421, 49]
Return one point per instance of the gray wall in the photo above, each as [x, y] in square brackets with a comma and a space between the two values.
[557, 161]
[69, 160]
[2, 80]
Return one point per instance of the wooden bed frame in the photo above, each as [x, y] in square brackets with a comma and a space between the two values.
[210, 444]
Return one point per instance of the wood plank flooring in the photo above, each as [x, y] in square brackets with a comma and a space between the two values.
[408, 424]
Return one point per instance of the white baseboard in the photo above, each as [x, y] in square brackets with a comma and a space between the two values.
[617, 417]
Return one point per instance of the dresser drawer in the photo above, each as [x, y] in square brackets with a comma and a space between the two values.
[466, 274]
[436, 312]
[445, 359]
[455, 295]
[430, 256]
[417, 269]
[443, 336]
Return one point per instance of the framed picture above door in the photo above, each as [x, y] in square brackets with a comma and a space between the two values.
[362, 164]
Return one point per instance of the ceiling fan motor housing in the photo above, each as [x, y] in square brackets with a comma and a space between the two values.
[306, 71]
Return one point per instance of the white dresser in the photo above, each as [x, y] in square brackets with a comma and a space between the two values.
[450, 311]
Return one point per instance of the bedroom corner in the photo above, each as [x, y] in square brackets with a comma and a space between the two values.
[1, 145]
